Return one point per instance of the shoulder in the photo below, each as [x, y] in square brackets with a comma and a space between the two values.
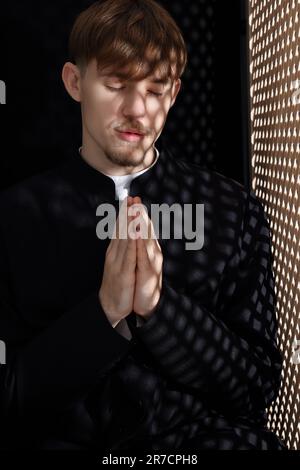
[31, 195]
[207, 181]
[223, 193]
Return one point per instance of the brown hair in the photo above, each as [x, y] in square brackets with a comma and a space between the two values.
[128, 35]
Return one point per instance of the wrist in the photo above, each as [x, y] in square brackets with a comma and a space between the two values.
[113, 320]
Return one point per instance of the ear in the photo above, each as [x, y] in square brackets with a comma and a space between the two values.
[175, 90]
[72, 80]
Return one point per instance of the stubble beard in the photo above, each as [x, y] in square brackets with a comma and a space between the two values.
[129, 155]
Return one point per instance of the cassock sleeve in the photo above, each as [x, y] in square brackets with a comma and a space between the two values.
[45, 368]
[230, 355]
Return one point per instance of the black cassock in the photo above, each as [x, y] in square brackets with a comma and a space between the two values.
[198, 374]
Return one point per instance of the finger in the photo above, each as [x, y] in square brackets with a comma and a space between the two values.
[129, 258]
[140, 212]
[119, 228]
[142, 257]
[124, 220]
[134, 225]
[147, 230]
[148, 235]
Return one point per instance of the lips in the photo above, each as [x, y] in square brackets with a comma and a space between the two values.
[130, 136]
[131, 131]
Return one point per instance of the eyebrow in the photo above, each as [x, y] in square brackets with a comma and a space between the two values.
[161, 81]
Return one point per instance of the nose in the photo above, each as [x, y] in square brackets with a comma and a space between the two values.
[133, 105]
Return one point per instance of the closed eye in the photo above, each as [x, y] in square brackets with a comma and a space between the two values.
[121, 88]
[154, 93]
[114, 89]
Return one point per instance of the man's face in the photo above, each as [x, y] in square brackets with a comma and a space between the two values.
[110, 104]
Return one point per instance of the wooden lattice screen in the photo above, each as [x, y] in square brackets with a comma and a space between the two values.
[274, 38]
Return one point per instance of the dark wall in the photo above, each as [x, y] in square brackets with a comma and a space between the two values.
[40, 124]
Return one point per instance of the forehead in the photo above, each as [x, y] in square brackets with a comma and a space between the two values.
[156, 78]
[151, 79]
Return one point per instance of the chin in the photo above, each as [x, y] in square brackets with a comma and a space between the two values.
[124, 159]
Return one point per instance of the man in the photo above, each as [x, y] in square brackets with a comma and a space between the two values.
[133, 343]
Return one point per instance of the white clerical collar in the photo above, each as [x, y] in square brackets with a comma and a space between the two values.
[130, 176]
[122, 182]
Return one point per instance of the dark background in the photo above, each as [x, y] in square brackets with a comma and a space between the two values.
[41, 124]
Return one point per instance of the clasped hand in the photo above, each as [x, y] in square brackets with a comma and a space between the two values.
[132, 276]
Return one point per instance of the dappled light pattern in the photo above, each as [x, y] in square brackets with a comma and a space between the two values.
[275, 116]
[199, 373]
